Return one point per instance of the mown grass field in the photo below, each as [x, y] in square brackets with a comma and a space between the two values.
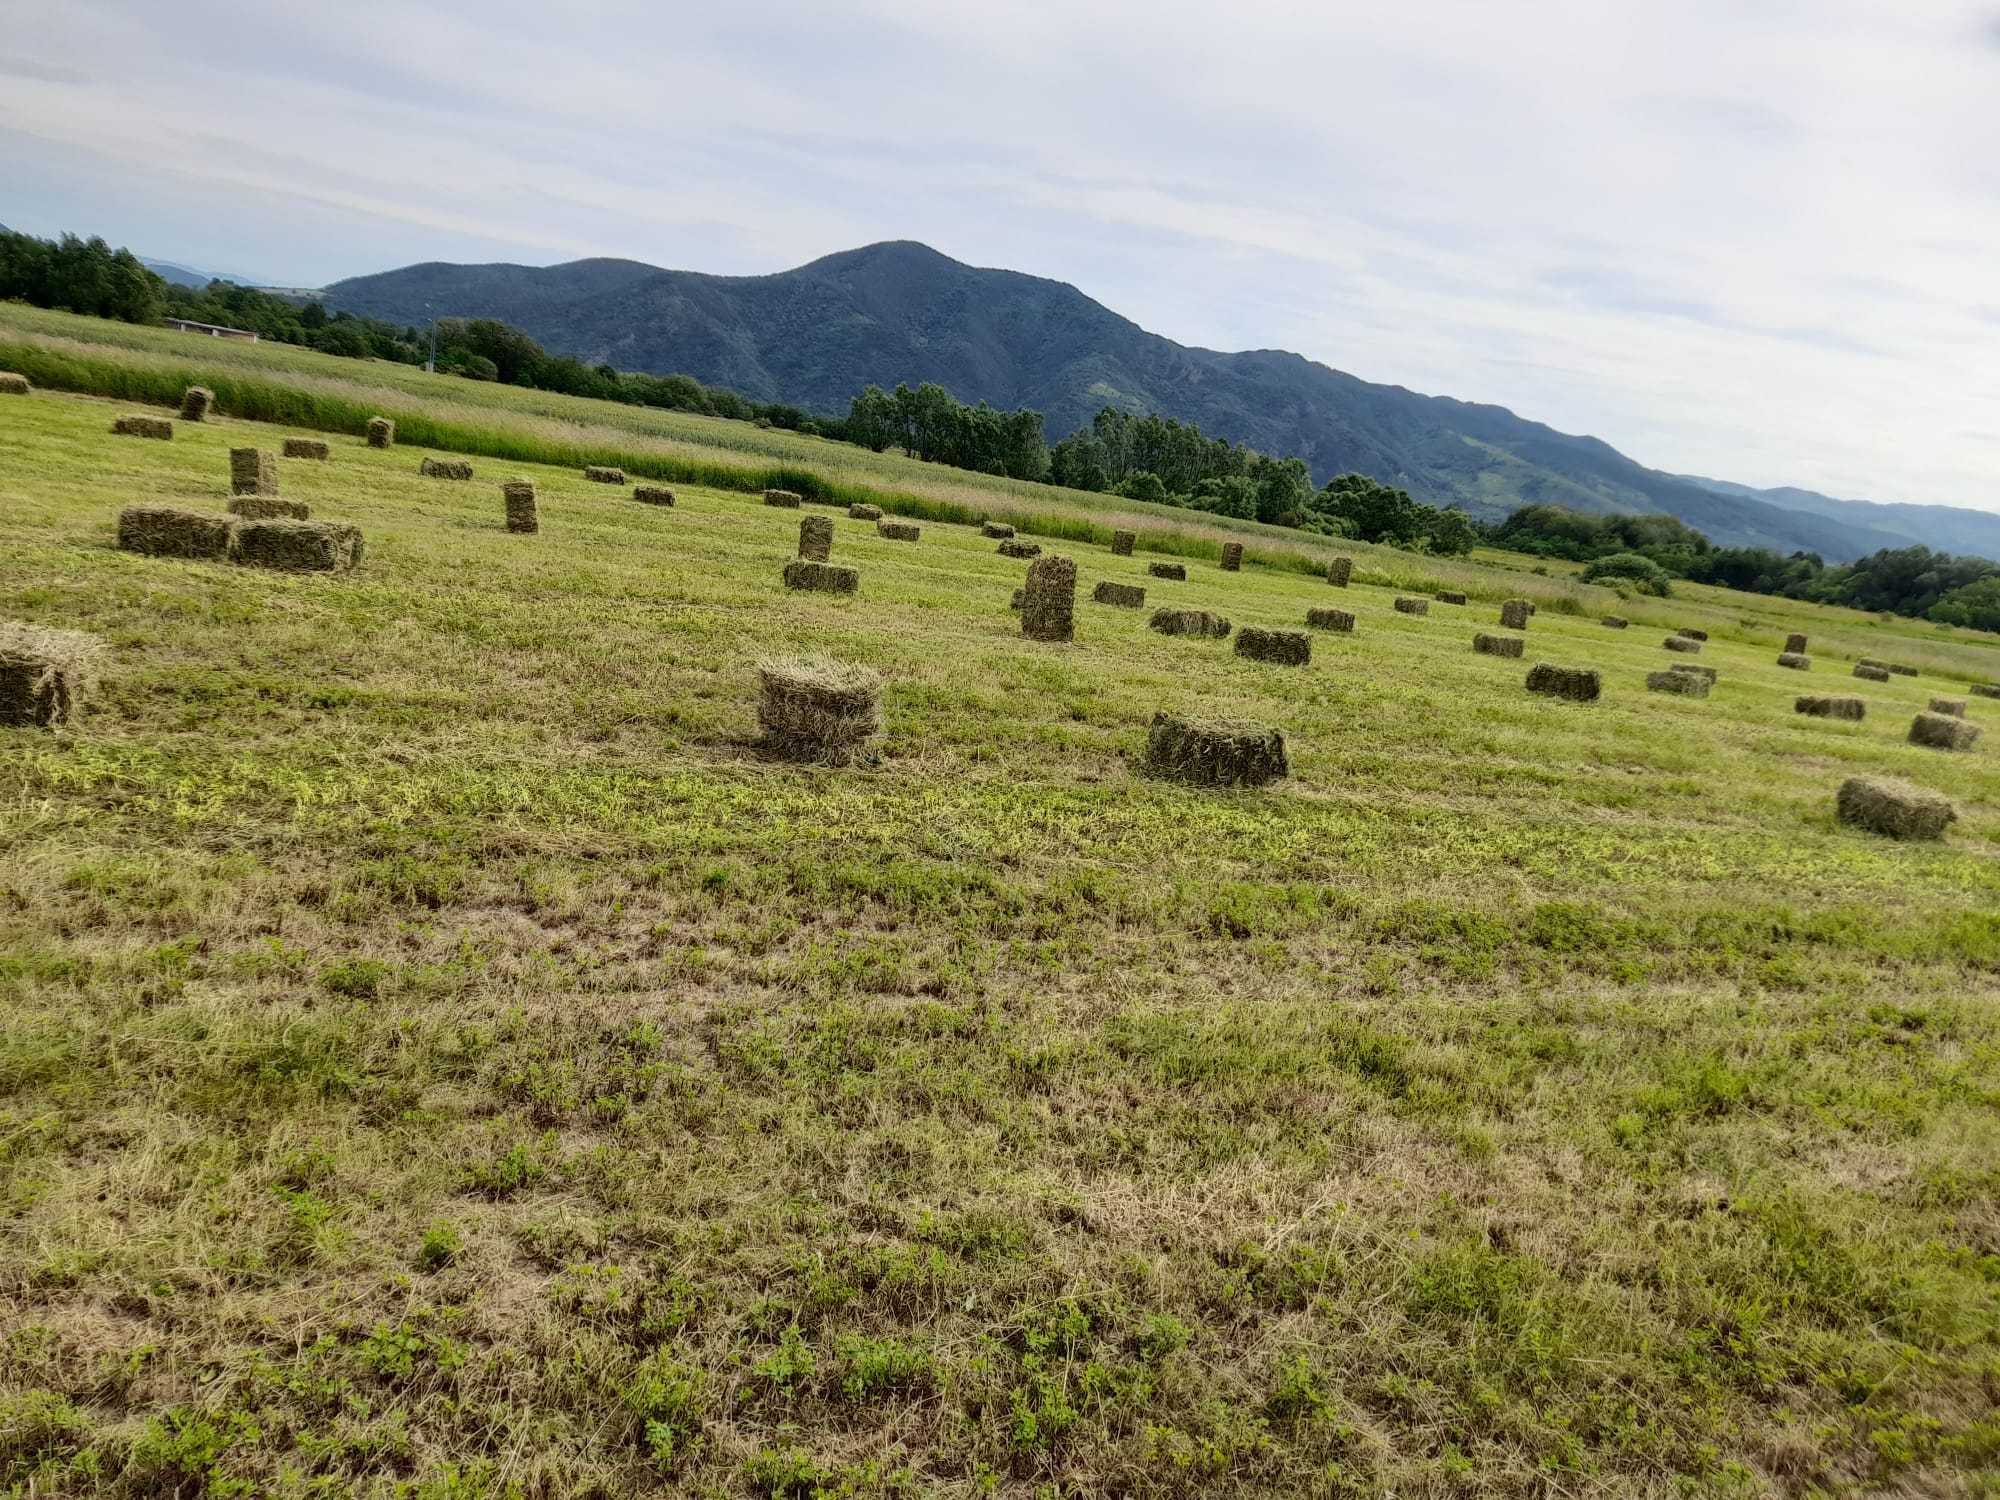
[443, 1056]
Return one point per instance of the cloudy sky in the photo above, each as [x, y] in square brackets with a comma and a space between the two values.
[1758, 239]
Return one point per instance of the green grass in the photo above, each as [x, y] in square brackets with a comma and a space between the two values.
[444, 1058]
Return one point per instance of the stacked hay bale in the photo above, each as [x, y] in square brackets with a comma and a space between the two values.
[817, 712]
[1943, 732]
[1831, 708]
[1340, 571]
[195, 403]
[1893, 808]
[1232, 557]
[1870, 672]
[652, 494]
[1122, 543]
[307, 448]
[820, 577]
[1795, 643]
[1797, 661]
[898, 531]
[1287, 648]
[1124, 595]
[169, 531]
[45, 674]
[268, 508]
[1448, 596]
[1514, 614]
[1408, 606]
[296, 546]
[1017, 548]
[603, 474]
[864, 512]
[444, 468]
[1578, 684]
[1189, 622]
[253, 471]
[381, 432]
[815, 538]
[1048, 602]
[1954, 706]
[1498, 645]
[1340, 621]
[782, 499]
[13, 384]
[1617, 622]
[1687, 684]
[523, 510]
[145, 427]
[997, 531]
[1175, 571]
[1682, 644]
[1215, 752]
[1690, 634]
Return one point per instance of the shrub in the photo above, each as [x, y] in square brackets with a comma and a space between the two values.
[1645, 575]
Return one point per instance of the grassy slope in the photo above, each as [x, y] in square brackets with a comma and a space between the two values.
[442, 1052]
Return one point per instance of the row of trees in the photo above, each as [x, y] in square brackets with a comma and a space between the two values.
[930, 423]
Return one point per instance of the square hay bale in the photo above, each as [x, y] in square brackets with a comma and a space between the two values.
[1687, 684]
[782, 499]
[1830, 708]
[381, 432]
[269, 508]
[296, 546]
[864, 512]
[1514, 614]
[1897, 809]
[997, 531]
[1340, 571]
[253, 471]
[1124, 595]
[169, 531]
[899, 531]
[1174, 571]
[1215, 752]
[1019, 596]
[45, 674]
[1122, 543]
[1340, 620]
[444, 468]
[1692, 635]
[12, 384]
[815, 538]
[1796, 643]
[1405, 605]
[821, 577]
[1987, 689]
[1578, 684]
[1869, 661]
[1902, 671]
[1232, 557]
[652, 494]
[1449, 596]
[1707, 674]
[1048, 602]
[1189, 622]
[816, 711]
[1287, 648]
[307, 448]
[1943, 732]
[603, 474]
[1014, 547]
[523, 511]
[145, 427]
[1870, 672]
[1954, 706]
[1499, 645]
[195, 403]
[1682, 643]
[1796, 660]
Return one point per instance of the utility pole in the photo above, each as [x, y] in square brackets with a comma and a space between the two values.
[431, 364]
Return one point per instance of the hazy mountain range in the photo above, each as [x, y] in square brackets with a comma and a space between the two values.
[900, 311]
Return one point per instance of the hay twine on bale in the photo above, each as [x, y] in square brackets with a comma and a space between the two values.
[821, 577]
[864, 512]
[381, 432]
[1954, 706]
[1577, 684]
[815, 538]
[1338, 620]
[297, 447]
[1797, 661]
[169, 531]
[253, 471]
[45, 673]
[1405, 605]
[1124, 595]
[14, 384]
[269, 508]
[1686, 684]
[1943, 732]
[1122, 543]
[1048, 600]
[143, 427]
[782, 499]
[296, 546]
[1819, 707]
[523, 509]
[1174, 571]
[1893, 808]
[816, 711]
[1232, 557]
[1285, 648]
[195, 403]
[1200, 622]
[1498, 645]
[652, 494]
[1340, 571]
[1014, 547]
[1215, 752]
[603, 474]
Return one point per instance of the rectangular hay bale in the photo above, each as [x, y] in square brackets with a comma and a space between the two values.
[1015, 547]
[652, 494]
[1124, 595]
[1954, 706]
[1200, 622]
[381, 432]
[195, 403]
[1215, 752]
[253, 471]
[1340, 621]
[816, 711]
[444, 468]
[1943, 732]
[1175, 571]
[45, 673]
[1405, 605]
[145, 427]
[1896, 809]
[1122, 543]
[1499, 645]
[1616, 622]
[1340, 571]
[1687, 684]
[1818, 707]
[269, 508]
[1514, 614]
[1449, 596]
[296, 546]
[1682, 643]
[899, 531]
[1232, 557]
[14, 384]
[815, 538]
[1286, 648]
[864, 512]
[997, 531]
[1797, 661]
[520, 505]
[297, 447]
[1871, 672]
[1578, 684]
[1048, 601]
[821, 577]
[603, 474]
[782, 499]
[1795, 643]
[169, 531]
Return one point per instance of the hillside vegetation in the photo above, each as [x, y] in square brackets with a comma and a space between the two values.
[446, 1057]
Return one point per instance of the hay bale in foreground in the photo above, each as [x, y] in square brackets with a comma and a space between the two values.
[523, 511]
[145, 427]
[1831, 708]
[782, 499]
[381, 432]
[1340, 621]
[816, 711]
[444, 468]
[1189, 622]
[296, 546]
[45, 674]
[1287, 648]
[1340, 571]
[253, 471]
[898, 531]
[307, 448]
[997, 531]
[169, 531]
[820, 577]
[1617, 622]
[1795, 643]
[603, 474]
[1232, 557]
[1943, 732]
[195, 403]
[1449, 596]
[1514, 614]
[815, 538]
[1408, 606]
[1014, 547]
[1175, 571]
[1902, 671]
[1578, 684]
[1691, 634]
[864, 512]
[1870, 672]
[1048, 601]
[1124, 595]
[652, 494]
[268, 508]
[1122, 543]
[1897, 809]
[1215, 752]
[13, 384]
[1954, 706]
[1687, 684]
[1499, 645]
[1797, 661]
[1682, 643]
